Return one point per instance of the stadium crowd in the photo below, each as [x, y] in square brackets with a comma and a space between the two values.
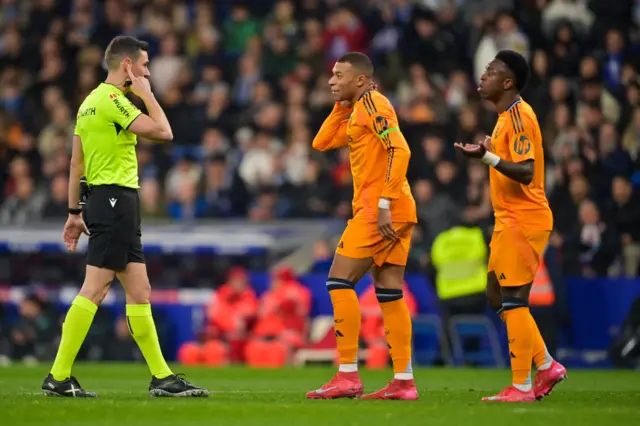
[244, 85]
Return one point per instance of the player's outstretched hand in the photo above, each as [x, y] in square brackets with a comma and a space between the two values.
[474, 150]
[385, 224]
[74, 227]
[140, 86]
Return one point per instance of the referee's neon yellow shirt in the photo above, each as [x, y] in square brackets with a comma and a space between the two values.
[109, 147]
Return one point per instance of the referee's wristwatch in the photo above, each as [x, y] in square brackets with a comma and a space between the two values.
[75, 211]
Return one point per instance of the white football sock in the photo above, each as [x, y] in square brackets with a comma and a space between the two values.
[348, 368]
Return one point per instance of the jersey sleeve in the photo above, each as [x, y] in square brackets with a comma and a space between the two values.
[333, 132]
[521, 146]
[383, 123]
[121, 110]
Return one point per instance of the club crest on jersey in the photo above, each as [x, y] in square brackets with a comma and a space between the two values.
[522, 145]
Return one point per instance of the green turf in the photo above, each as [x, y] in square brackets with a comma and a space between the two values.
[276, 397]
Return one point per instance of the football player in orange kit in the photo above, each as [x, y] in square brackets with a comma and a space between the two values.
[379, 235]
[523, 222]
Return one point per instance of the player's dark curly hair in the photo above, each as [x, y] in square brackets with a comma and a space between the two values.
[518, 65]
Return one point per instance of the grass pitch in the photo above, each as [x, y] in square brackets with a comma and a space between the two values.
[243, 396]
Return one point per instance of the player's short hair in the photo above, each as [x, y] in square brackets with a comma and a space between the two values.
[518, 65]
[358, 60]
[122, 47]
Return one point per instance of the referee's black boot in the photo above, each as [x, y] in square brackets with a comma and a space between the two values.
[175, 386]
[68, 388]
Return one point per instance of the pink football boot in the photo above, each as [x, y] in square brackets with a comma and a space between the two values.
[546, 380]
[404, 390]
[343, 385]
[511, 394]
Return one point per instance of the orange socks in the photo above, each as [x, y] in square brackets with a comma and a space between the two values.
[541, 357]
[521, 340]
[346, 314]
[397, 328]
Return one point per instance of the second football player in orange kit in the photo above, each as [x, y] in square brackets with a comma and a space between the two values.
[523, 222]
[379, 235]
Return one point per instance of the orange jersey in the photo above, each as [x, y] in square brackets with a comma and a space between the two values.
[517, 138]
[378, 155]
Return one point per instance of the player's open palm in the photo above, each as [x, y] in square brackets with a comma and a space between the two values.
[385, 224]
[474, 150]
[74, 227]
[140, 86]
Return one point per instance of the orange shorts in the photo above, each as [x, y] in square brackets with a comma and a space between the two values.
[361, 240]
[516, 254]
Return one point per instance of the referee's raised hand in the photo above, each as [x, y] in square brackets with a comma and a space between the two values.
[140, 86]
[74, 227]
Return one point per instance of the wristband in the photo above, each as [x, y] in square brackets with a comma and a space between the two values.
[490, 159]
[75, 211]
[384, 204]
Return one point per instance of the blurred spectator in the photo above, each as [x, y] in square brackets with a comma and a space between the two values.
[151, 199]
[32, 338]
[24, 206]
[57, 205]
[625, 215]
[436, 211]
[574, 12]
[232, 312]
[166, 67]
[121, 347]
[224, 192]
[282, 321]
[187, 204]
[259, 162]
[57, 135]
[594, 243]
[311, 195]
[230, 317]
[239, 29]
[509, 35]
[344, 32]
[322, 256]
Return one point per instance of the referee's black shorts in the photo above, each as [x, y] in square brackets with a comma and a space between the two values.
[112, 215]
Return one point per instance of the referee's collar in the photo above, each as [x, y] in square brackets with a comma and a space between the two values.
[114, 86]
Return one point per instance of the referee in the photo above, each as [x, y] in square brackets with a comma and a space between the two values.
[104, 149]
